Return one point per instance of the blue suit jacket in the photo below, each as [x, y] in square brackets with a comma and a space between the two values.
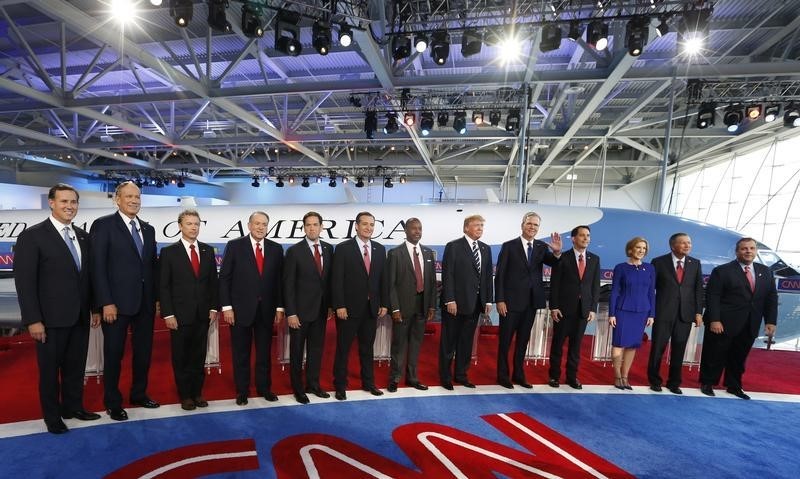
[633, 290]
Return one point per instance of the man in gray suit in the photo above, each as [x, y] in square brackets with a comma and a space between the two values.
[412, 298]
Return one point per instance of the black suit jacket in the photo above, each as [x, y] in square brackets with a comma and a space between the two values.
[184, 295]
[240, 286]
[306, 292]
[461, 281]
[517, 283]
[568, 290]
[350, 285]
[50, 289]
[730, 300]
[119, 275]
[683, 300]
[403, 282]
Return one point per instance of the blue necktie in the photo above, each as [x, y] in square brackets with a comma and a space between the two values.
[137, 240]
[530, 253]
[71, 246]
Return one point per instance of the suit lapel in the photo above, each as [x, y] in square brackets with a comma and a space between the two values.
[126, 228]
[57, 238]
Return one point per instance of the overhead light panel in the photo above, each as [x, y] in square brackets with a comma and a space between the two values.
[477, 117]
[321, 37]
[401, 47]
[216, 16]
[442, 118]
[440, 47]
[771, 112]
[791, 116]
[391, 124]
[733, 117]
[426, 123]
[371, 124]
[251, 21]
[345, 35]
[551, 38]
[637, 32]
[287, 33]
[512, 120]
[460, 122]
[471, 42]
[753, 111]
[181, 11]
[494, 117]
[597, 35]
[705, 115]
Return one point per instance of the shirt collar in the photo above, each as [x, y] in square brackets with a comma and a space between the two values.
[362, 243]
[127, 220]
[470, 240]
[59, 226]
[253, 242]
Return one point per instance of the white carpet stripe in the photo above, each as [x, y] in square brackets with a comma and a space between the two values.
[194, 460]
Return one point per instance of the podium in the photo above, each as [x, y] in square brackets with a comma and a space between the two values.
[601, 341]
[382, 347]
[212, 348]
[94, 355]
[541, 337]
[694, 348]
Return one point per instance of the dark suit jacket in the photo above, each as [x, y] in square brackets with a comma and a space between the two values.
[183, 294]
[119, 275]
[461, 281]
[50, 289]
[568, 290]
[403, 283]
[683, 300]
[305, 292]
[240, 286]
[350, 285]
[729, 299]
[517, 283]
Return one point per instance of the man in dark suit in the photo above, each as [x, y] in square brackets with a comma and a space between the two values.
[739, 295]
[358, 290]
[124, 278]
[306, 274]
[679, 304]
[189, 292]
[574, 295]
[412, 299]
[466, 294]
[519, 292]
[251, 292]
[51, 274]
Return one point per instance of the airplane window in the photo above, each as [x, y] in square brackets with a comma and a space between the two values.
[767, 258]
[776, 264]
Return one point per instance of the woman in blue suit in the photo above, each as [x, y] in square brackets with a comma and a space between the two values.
[631, 308]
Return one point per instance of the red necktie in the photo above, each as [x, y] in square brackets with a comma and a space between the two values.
[259, 259]
[418, 271]
[679, 271]
[581, 266]
[749, 275]
[195, 261]
[317, 258]
[366, 259]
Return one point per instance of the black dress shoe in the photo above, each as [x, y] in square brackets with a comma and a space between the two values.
[146, 403]
[318, 392]
[675, 390]
[340, 395]
[392, 387]
[448, 386]
[200, 402]
[81, 415]
[56, 427]
[738, 393]
[506, 384]
[117, 414]
[270, 396]
[241, 399]
[466, 384]
[707, 390]
[575, 384]
[553, 383]
[418, 386]
[188, 404]
[655, 387]
[302, 398]
[373, 390]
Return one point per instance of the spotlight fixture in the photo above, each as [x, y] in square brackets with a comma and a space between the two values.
[216, 16]
[402, 179]
[636, 35]
[442, 118]
[791, 115]
[360, 182]
[574, 30]
[733, 117]
[388, 182]
[332, 182]
[251, 21]
[305, 183]
[471, 43]
[355, 101]
[693, 30]
[662, 28]
[321, 37]
[155, 3]
[477, 117]
[344, 180]
[279, 183]
[370, 124]
[409, 119]
[597, 35]
[705, 115]
[181, 11]
[460, 122]
[426, 123]
[291, 180]
[401, 47]
[287, 33]
[420, 42]
[181, 184]
[391, 124]
[255, 183]
[440, 47]
[512, 120]
[551, 38]
[771, 112]
[753, 111]
[345, 35]
[494, 117]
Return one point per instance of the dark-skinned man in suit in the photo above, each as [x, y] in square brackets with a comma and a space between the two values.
[306, 274]
[125, 285]
[51, 275]
[679, 305]
[189, 301]
[519, 292]
[358, 291]
[251, 293]
[466, 294]
[739, 295]
[412, 300]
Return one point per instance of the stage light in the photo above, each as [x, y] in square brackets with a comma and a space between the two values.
[409, 119]
[305, 183]
[636, 35]
[287, 33]
[442, 118]
[319, 179]
[391, 124]
[155, 3]
[388, 182]
[371, 180]
[216, 16]
[402, 179]
[494, 117]
[693, 31]
[705, 115]
[440, 47]
[181, 184]
[360, 182]
[123, 10]
[574, 30]
[471, 43]
[279, 183]
[345, 35]
[291, 180]
[597, 35]
[401, 47]
[791, 115]
[662, 28]
[477, 117]
[510, 49]
[426, 123]
[753, 111]
[370, 124]
[255, 183]
[332, 182]
[344, 180]
[321, 37]
[420, 42]
[733, 117]
[251, 21]
[460, 122]
[551, 38]
[512, 120]
[181, 11]
[771, 112]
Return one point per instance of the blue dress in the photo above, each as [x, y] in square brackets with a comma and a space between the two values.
[632, 301]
